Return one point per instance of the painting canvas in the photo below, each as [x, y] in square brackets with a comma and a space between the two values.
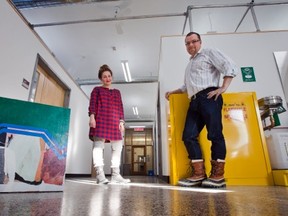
[33, 146]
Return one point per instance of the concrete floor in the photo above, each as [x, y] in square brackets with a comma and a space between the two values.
[146, 196]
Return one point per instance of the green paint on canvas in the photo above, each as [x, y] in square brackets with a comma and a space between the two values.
[52, 118]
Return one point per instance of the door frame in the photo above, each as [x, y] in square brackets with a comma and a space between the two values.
[43, 64]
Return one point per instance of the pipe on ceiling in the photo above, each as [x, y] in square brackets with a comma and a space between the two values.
[249, 5]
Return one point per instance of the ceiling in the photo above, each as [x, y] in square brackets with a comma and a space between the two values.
[83, 35]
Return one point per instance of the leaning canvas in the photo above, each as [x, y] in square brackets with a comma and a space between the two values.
[33, 146]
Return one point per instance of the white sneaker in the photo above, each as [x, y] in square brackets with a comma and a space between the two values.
[117, 178]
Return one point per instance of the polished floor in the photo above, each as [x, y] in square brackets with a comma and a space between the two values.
[146, 196]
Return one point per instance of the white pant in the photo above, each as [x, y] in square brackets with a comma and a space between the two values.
[116, 150]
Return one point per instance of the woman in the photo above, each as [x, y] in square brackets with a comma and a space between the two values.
[106, 123]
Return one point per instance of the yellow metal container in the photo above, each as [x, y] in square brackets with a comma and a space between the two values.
[280, 177]
[247, 161]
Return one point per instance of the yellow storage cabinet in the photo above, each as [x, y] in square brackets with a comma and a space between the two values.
[247, 160]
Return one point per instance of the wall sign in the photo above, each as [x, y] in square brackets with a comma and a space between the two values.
[25, 83]
[248, 74]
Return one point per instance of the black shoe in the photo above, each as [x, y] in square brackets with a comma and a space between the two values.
[189, 183]
[212, 183]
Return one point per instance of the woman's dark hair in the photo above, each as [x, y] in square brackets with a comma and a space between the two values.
[191, 33]
[102, 69]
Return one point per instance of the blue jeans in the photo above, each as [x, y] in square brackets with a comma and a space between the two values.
[201, 112]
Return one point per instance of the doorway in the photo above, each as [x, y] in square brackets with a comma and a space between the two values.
[138, 160]
[46, 87]
[138, 152]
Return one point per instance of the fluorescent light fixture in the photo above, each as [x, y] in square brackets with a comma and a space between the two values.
[126, 71]
[135, 110]
[140, 126]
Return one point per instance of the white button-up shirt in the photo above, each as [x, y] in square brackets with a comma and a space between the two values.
[204, 70]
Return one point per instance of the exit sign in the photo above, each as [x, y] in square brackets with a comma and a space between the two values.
[139, 129]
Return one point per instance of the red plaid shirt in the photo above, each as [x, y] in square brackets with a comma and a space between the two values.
[106, 104]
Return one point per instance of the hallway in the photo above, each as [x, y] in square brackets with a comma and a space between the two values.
[146, 196]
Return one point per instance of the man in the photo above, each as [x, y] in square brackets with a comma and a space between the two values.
[201, 82]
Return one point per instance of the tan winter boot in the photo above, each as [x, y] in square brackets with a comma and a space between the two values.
[117, 178]
[198, 174]
[216, 178]
[100, 175]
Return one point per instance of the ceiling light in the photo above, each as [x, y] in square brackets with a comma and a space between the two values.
[140, 126]
[126, 71]
[135, 110]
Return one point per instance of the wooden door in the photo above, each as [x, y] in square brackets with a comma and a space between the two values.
[48, 91]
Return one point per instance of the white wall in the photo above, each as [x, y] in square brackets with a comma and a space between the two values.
[281, 58]
[246, 49]
[19, 48]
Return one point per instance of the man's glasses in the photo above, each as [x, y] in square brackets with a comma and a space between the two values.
[191, 42]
